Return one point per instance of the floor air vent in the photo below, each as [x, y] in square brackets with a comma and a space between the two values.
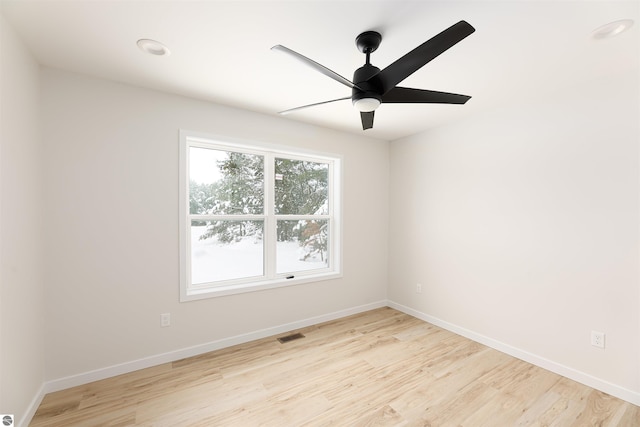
[290, 337]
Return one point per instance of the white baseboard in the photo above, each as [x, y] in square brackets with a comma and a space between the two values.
[573, 374]
[123, 368]
[25, 419]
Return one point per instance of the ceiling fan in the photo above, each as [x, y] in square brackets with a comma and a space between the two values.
[372, 86]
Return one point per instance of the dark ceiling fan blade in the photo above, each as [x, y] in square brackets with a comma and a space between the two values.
[418, 57]
[311, 105]
[367, 119]
[410, 95]
[313, 64]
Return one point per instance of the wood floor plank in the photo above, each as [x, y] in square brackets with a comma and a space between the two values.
[378, 368]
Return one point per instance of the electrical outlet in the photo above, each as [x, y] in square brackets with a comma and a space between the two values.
[165, 319]
[418, 288]
[597, 339]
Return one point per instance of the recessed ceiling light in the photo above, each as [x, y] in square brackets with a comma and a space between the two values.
[612, 29]
[153, 47]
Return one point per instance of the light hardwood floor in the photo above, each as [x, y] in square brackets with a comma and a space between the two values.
[377, 368]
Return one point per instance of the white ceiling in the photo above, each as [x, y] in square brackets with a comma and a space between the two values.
[220, 50]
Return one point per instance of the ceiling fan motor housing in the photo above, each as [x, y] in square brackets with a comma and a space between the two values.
[365, 88]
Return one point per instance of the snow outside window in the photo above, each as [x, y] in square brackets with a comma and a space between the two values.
[255, 217]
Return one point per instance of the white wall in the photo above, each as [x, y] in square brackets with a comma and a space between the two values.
[522, 225]
[111, 185]
[21, 280]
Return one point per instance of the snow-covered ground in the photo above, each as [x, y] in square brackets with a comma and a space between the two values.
[212, 261]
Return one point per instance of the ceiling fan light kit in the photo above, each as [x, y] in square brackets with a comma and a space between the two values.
[366, 105]
[372, 86]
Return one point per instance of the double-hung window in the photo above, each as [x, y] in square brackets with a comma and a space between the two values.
[253, 216]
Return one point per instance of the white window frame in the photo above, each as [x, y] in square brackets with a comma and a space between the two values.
[270, 279]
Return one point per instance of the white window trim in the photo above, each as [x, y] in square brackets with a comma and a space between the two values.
[189, 292]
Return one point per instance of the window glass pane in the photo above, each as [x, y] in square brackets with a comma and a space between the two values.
[302, 245]
[225, 182]
[301, 187]
[225, 250]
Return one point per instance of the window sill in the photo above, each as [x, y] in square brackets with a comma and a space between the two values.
[220, 291]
